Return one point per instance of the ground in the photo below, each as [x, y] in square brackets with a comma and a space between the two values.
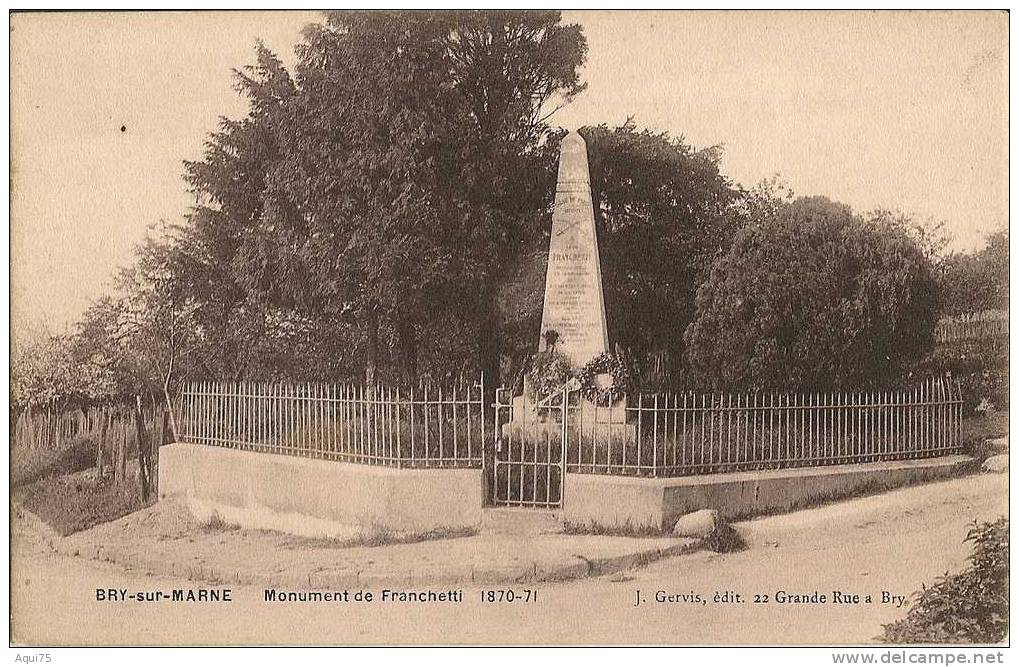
[894, 542]
[165, 539]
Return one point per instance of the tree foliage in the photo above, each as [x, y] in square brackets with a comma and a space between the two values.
[978, 281]
[383, 211]
[663, 212]
[357, 219]
[814, 298]
[377, 193]
[226, 257]
[40, 370]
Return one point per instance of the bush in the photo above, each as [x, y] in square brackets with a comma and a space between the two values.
[980, 366]
[977, 430]
[814, 298]
[969, 607]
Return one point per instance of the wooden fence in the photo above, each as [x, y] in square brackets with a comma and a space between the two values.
[975, 326]
[48, 440]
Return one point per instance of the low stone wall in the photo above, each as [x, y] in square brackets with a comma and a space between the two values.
[608, 501]
[317, 498]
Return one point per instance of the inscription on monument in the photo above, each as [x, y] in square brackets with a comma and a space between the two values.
[574, 305]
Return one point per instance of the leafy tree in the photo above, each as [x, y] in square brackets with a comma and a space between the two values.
[143, 338]
[98, 350]
[159, 331]
[351, 194]
[978, 281]
[40, 370]
[814, 298]
[663, 213]
[66, 370]
[512, 70]
[364, 206]
[410, 153]
[227, 260]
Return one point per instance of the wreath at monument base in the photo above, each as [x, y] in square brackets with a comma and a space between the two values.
[550, 370]
[604, 363]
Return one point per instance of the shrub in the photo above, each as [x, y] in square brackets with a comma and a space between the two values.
[980, 366]
[216, 524]
[814, 297]
[724, 539]
[969, 607]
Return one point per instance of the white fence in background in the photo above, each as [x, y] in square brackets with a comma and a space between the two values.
[975, 326]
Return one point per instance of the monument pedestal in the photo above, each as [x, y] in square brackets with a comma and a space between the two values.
[586, 420]
[603, 414]
[597, 423]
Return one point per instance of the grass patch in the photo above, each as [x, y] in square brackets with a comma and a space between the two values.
[980, 428]
[379, 537]
[724, 539]
[626, 530]
[216, 524]
[72, 503]
[32, 464]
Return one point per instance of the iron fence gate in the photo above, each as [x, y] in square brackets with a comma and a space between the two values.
[529, 459]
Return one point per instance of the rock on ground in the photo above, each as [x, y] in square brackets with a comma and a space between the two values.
[997, 444]
[696, 524]
[998, 463]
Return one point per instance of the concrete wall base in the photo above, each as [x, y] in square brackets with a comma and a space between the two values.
[607, 501]
[317, 498]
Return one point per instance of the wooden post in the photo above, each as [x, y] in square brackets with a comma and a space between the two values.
[104, 427]
[144, 442]
[120, 470]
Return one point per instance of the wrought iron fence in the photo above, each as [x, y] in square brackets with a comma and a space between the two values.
[677, 434]
[417, 428]
[657, 435]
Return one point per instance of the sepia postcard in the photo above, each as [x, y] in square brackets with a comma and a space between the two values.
[510, 327]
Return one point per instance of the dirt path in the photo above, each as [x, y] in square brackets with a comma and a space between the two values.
[166, 540]
[890, 542]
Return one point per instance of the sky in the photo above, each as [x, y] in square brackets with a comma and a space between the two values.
[898, 110]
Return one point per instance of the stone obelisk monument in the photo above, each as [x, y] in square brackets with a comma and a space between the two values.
[574, 304]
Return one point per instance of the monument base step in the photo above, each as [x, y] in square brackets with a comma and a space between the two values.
[551, 431]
